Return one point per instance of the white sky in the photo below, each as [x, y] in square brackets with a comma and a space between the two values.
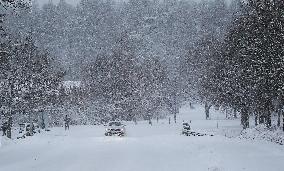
[74, 2]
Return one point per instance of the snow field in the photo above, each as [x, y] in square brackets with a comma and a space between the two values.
[159, 147]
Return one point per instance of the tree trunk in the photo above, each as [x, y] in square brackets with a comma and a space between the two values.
[9, 128]
[268, 119]
[261, 118]
[282, 120]
[31, 131]
[227, 115]
[279, 118]
[244, 118]
[150, 122]
[235, 113]
[256, 119]
[42, 121]
[207, 107]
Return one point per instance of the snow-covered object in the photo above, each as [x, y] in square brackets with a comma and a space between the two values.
[261, 132]
[71, 84]
[115, 128]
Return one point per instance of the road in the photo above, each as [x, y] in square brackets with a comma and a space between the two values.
[159, 147]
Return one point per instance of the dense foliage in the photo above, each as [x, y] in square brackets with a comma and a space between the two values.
[247, 72]
[141, 59]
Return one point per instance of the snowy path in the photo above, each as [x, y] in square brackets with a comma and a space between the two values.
[147, 148]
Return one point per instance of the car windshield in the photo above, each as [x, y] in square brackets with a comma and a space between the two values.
[114, 124]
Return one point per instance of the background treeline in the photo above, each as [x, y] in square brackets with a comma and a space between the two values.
[128, 55]
[139, 59]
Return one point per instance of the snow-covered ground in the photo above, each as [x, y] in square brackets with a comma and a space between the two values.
[159, 147]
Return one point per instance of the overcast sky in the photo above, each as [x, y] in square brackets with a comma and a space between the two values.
[74, 2]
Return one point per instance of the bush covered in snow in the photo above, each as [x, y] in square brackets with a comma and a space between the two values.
[261, 132]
